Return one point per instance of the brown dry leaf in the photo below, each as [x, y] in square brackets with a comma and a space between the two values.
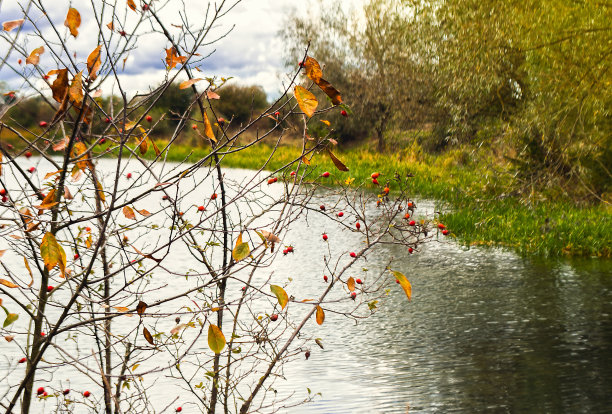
[76, 89]
[16, 237]
[60, 85]
[33, 226]
[173, 58]
[144, 213]
[26, 214]
[131, 4]
[212, 95]
[148, 335]
[94, 62]
[97, 93]
[339, 164]
[8, 284]
[27, 265]
[141, 308]
[34, 57]
[67, 194]
[332, 92]
[178, 328]
[2, 252]
[208, 129]
[350, 283]
[306, 100]
[48, 201]
[186, 84]
[270, 237]
[320, 315]
[10, 25]
[73, 21]
[155, 148]
[9, 338]
[100, 191]
[143, 146]
[148, 256]
[128, 212]
[313, 69]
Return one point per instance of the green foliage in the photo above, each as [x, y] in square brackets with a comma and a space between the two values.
[240, 103]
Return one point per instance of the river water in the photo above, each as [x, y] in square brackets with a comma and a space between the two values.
[486, 331]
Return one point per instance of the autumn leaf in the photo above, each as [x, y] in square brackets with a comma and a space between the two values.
[59, 87]
[326, 122]
[212, 95]
[172, 58]
[52, 253]
[76, 89]
[281, 295]
[186, 84]
[216, 339]
[61, 145]
[350, 283]
[272, 238]
[48, 201]
[128, 212]
[330, 91]
[111, 26]
[27, 265]
[339, 164]
[94, 62]
[73, 21]
[320, 315]
[8, 284]
[141, 307]
[10, 318]
[122, 309]
[305, 160]
[312, 69]
[131, 4]
[241, 250]
[143, 146]
[144, 213]
[404, 283]
[79, 151]
[155, 147]
[208, 129]
[10, 25]
[34, 57]
[306, 100]
[148, 336]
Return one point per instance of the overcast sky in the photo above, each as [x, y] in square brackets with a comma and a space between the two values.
[252, 52]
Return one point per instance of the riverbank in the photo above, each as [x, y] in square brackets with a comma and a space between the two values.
[478, 207]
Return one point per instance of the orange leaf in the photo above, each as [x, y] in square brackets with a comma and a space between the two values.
[212, 95]
[148, 336]
[8, 284]
[173, 58]
[155, 148]
[128, 212]
[27, 265]
[76, 89]
[60, 85]
[330, 91]
[208, 129]
[122, 309]
[131, 4]
[34, 57]
[305, 160]
[404, 283]
[48, 201]
[339, 164]
[10, 25]
[306, 100]
[94, 62]
[144, 213]
[73, 21]
[320, 315]
[110, 25]
[186, 84]
[313, 69]
[351, 284]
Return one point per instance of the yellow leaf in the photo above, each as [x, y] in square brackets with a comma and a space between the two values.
[241, 250]
[52, 253]
[208, 129]
[313, 69]
[73, 21]
[94, 62]
[10, 25]
[79, 151]
[305, 160]
[34, 57]
[128, 212]
[326, 122]
[349, 181]
[131, 4]
[320, 315]
[216, 339]
[339, 164]
[122, 309]
[186, 84]
[8, 284]
[281, 295]
[306, 100]
[351, 284]
[100, 191]
[404, 283]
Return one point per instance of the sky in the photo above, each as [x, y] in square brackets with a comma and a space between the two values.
[252, 52]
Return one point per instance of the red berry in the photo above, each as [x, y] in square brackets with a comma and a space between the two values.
[40, 390]
[410, 205]
[31, 170]
[358, 225]
[179, 409]
[397, 281]
[412, 223]
[200, 208]
[243, 289]
[50, 288]
[441, 226]
[301, 64]
[343, 113]
[19, 61]
[290, 249]
[407, 216]
[145, 7]
[292, 173]
[386, 190]
[271, 181]
[149, 118]
[87, 228]
[214, 196]
[28, 154]
[86, 394]
[9, 146]
[194, 126]
[353, 254]
[45, 77]
[325, 174]
[108, 120]
[324, 236]
[359, 281]
[353, 295]
[375, 175]
[3, 191]
[42, 334]
[66, 391]
[22, 360]
[340, 214]
[4, 199]
[374, 181]
[285, 252]
[274, 317]
[445, 232]
[410, 250]
[221, 121]
[45, 394]
[307, 354]
[76, 256]
[128, 175]
[277, 114]
[42, 124]
[325, 278]
[123, 33]
[102, 141]
[322, 207]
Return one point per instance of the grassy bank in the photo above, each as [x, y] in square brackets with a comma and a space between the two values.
[478, 209]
